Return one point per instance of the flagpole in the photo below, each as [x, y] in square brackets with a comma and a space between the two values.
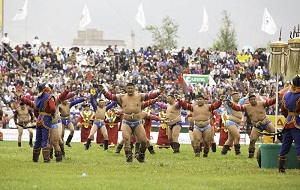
[2, 27]
[26, 29]
[141, 37]
[85, 38]
[140, 18]
[84, 21]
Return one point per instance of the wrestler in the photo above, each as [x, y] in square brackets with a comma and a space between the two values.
[99, 121]
[64, 109]
[173, 120]
[256, 110]
[234, 119]
[23, 118]
[131, 103]
[201, 116]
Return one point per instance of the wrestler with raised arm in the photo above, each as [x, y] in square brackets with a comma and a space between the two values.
[131, 102]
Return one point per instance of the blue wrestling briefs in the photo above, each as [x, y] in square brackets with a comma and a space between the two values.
[132, 124]
[263, 127]
[177, 123]
[65, 122]
[54, 126]
[228, 122]
[98, 124]
[202, 129]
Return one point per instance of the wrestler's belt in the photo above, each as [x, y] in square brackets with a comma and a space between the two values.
[258, 123]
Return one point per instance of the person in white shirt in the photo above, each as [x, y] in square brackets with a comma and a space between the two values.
[258, 72]
[225, 72]
[3, 63]
[60, 57]
[5, 42]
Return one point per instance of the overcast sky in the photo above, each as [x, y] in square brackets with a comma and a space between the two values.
[57, 21]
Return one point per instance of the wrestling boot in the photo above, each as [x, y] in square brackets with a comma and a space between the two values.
[282, 160]
[205, 151]
[131, 145]
[105, 144]
[51, 152]
[225, 149]
[298, 159]
[30, 143]
[171, 144]
[46, 154]
[137, 150]
[142, 150]
[176, 147]
[36, 154]
[58, 156]
[87, 144]
[213, 147]
[62, 148]
[251, 152]
[201, 144]
[237, 148]
[19, 144]
[197, 151]
[151, 149]
[128, 153]
[119, 148]
[69, 140]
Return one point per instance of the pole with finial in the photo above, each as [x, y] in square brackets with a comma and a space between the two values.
[280, 33]
[278, 52]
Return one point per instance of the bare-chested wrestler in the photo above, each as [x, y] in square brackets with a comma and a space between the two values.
[64, 109]
[173, 120]
[122, 142]
[23, 118]
[131, 103]
[201, 116]
[233, 120]
[98, 123]
[256, 110]
[56, 131]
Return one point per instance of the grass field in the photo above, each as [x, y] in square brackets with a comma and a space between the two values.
[163, 170]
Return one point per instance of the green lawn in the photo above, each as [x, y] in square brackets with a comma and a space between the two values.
[163, 170]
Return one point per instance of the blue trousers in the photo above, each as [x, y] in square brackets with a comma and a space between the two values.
[287, 139]
[42, 136]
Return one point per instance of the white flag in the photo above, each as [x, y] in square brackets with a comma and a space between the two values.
[204, 26]
[85, 17]
[140, 17]
[268, 24]
[22, 13]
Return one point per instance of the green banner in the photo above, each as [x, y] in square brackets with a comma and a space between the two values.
[196, 79]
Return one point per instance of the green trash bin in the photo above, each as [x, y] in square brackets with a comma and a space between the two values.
[270, 155]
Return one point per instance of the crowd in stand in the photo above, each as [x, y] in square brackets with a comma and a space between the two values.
[27, 65]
